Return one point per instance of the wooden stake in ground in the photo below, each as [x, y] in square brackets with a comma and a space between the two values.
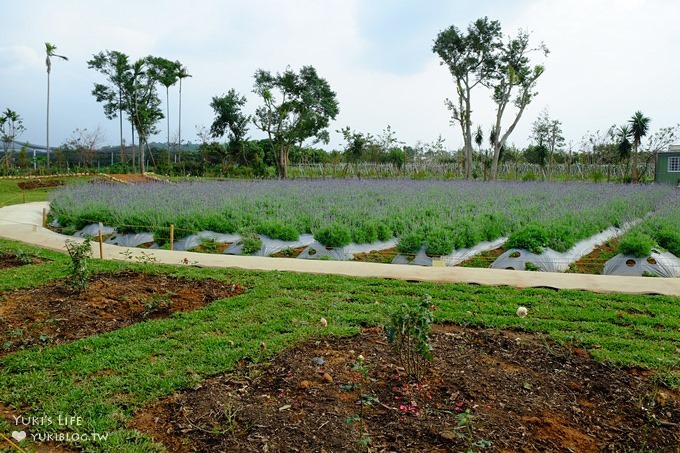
[44, 217]
[172, 236]
[101, 246]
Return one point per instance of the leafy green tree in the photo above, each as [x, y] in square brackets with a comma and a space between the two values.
[11, 126]
[232, 122]
[49, 51]
[537, 154]
[229, 117]
[22, 158]
[513, 80]
[470, 58]
[142, 103]
[639, 126]
[356, 143]
[547, 132]
[296, 107]
[116, 67]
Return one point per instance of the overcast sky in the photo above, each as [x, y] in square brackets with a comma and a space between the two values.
[608, 58]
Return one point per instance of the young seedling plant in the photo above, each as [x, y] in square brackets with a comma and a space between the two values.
[365, 399]
[79, 274]
[409, 333]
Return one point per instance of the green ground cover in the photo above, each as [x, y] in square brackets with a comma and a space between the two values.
[106, 377]
[661, 230]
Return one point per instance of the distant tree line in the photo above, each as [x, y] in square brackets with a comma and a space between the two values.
[295, 109]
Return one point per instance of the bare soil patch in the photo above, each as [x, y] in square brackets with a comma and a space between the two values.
[212, 247]
[53, 313]
[288, 253]
[487, 390]
[377, 256]
[39, 184]
[484, 259]
[593, 263]
[8, 260]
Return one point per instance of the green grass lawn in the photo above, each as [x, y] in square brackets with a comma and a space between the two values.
[105, 378]
[10, 193]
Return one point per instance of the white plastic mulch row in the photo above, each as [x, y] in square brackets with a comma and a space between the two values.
[552, 261]
[659, 263]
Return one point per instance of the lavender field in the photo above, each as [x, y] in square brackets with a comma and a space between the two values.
[439, 215]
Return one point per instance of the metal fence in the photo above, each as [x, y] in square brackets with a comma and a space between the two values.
[507, 170]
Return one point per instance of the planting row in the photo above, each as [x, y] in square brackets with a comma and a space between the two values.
[437, 216]
[660, 230]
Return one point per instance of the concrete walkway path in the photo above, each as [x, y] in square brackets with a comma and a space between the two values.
[23, 223]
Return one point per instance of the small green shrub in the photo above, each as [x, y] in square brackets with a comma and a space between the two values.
[79, 272]
[410, 243]
[636, 243]
[409, 333]
[333, 235]
[669, 239]
[158, 303]
[384, 232]
[440, 242]
[251, 243]
[533, 238]
[278, 230]
[161, 234]
[365, 234]
[23, 257]
[491, 226]
[219, 223]
[529, 266]
[561, 237]
[465, 233]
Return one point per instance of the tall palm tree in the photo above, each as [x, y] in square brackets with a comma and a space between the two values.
[623, 134]
[165, 72]
[49, 50]
[181, 74]
[639, 125]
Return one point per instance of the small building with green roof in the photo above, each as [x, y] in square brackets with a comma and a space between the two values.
[668, 166]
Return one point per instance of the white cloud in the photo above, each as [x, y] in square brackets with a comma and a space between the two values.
[608, 58]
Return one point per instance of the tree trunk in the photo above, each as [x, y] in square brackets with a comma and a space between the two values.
[634, 169]
[500, 143]
[179, 130]
[47, 128]
[167, 112]
[282, 162]
[132, 127]
[142, 163]
[120, 119]
[468, 137]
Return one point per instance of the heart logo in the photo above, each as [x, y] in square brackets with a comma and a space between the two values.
[19, 435]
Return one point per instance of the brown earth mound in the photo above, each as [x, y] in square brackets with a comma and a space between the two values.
[53, 313]
[486, 390]
[39, 183]
[10, 259]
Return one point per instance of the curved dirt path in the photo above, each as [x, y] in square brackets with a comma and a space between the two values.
[23, 223]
